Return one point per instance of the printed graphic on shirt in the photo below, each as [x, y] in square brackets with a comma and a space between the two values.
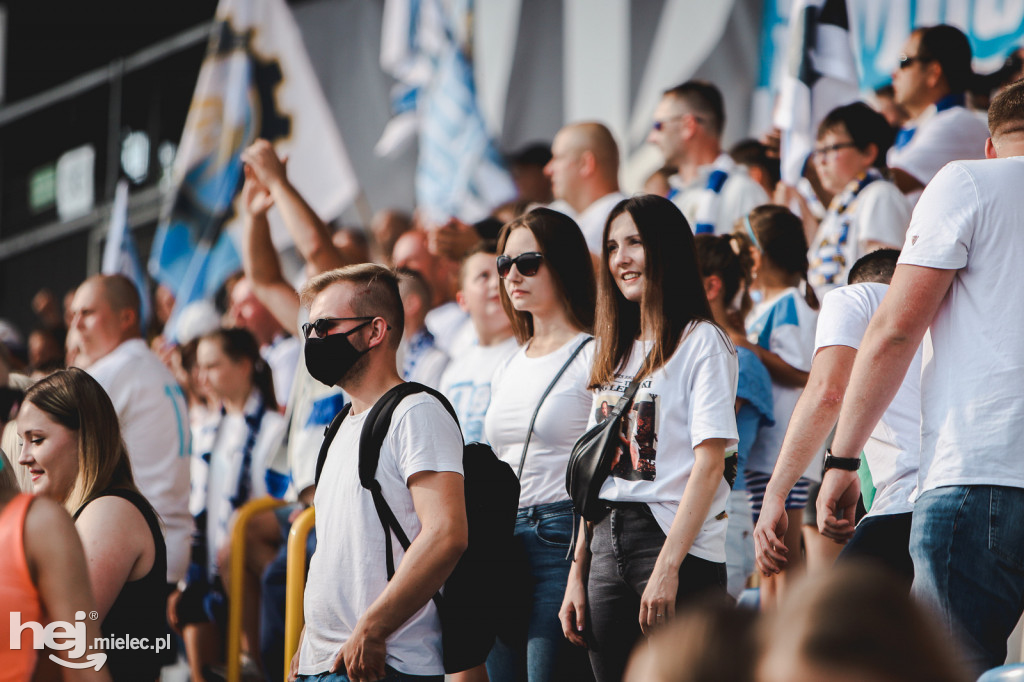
[637, 453]
[470, 402]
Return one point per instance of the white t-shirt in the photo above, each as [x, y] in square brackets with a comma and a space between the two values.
[516, 388]
[593, 218]
[283, 356]
[894, 449]
[217, 465]
[880, 213]
[950, 135]
[738, 196]
[466, 382]
[972, 405]
[784, 325]
[348, 570]
[155, 428]
[687, 401]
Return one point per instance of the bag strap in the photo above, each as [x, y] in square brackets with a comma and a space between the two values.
[558, 375]
[371, 439]
[621, 405]
[329, 433]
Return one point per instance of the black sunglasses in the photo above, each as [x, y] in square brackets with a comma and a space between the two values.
[326, 324]
[527, 263]
[905, 62]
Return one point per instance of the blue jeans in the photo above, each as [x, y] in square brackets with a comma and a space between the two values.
[530, 643]
[390, 675]
[967, 543]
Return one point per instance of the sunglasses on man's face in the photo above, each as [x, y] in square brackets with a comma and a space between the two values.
[527, 263]
[325, 324]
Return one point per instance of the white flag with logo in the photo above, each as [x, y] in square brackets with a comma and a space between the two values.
[256, 82]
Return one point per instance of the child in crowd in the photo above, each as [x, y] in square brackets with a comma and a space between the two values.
[230, 466]
[466, 381]
[867, 212]
[726, 266]
[782, 322]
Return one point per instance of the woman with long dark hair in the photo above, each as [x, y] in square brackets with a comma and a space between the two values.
[662, 541]
[539, 407]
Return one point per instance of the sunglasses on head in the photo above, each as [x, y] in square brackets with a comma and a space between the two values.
[325, 324]
[527, 263]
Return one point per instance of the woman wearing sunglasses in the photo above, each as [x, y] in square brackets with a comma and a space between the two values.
[662, 541]
[539, 407]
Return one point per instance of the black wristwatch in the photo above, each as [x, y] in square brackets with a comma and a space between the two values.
[844, 463]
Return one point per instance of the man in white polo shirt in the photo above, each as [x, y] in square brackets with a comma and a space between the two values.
[929, 82]
[711, 189]
[149, 403]
[959, 279]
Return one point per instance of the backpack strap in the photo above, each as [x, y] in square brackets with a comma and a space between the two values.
[375, 430]
[558, 375]
[329, 433]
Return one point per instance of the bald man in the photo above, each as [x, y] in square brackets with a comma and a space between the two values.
[149, 403]
[584, 172]
[711, 189]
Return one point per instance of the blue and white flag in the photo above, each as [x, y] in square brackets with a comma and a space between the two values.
[821, 74]
[459, 172]
[120, 255]
[256, 82]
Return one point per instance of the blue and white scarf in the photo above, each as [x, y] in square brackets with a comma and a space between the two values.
[829, 259]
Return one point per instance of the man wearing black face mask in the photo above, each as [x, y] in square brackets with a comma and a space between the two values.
[350, 606]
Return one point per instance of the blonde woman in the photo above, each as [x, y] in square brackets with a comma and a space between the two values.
[73, 450]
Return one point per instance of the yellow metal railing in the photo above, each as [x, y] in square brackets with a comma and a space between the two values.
[236, 590]
[293, 615]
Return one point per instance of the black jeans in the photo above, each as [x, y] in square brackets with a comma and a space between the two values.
[624, 549]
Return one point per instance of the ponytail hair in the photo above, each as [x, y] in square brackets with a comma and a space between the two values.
[779, 235]
[239, 344]
[727, 257]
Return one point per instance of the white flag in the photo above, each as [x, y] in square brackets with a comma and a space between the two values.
[821, 74]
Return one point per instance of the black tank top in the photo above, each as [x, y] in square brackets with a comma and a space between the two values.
[139, 610]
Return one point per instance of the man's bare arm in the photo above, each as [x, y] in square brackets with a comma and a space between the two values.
[312, 237]
[259, 257]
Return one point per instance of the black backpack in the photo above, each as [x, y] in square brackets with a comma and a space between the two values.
[472, 593]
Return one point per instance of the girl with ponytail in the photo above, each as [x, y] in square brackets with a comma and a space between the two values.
[781, 327]
[726, 265]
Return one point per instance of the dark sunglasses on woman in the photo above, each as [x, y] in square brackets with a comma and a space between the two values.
[527, 263]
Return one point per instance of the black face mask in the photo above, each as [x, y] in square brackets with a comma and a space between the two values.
[329, 359]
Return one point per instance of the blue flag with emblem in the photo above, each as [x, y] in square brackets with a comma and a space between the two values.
[255, 82]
